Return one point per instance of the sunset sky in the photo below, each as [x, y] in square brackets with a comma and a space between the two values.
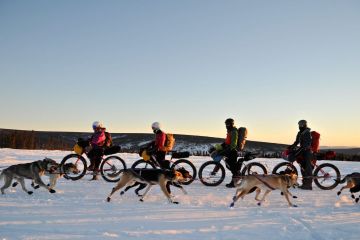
[187, 64]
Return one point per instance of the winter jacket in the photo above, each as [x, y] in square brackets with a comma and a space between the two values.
[101, 139]
[160, 138]
[232, 139]
[304, 139]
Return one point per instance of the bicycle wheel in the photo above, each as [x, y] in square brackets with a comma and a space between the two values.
[141, 163]
[284, 167]
[80, 163]
[211, 173]
[111, 167]
[327, 176]
[254, 168]
[185, 167]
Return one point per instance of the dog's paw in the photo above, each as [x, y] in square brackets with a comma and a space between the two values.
[338, 193]
[295, 197]
[294, 205]
[14, 184]
[175, 202]
[52, 191]
[36, 187]
[232, 205]
[108, 199]
[30, 192]
[141, 200]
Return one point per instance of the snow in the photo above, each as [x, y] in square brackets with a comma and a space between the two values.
[78, 210]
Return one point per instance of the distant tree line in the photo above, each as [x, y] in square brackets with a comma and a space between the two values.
[30, 140]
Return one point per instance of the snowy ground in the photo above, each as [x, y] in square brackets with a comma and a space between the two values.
[79, 211]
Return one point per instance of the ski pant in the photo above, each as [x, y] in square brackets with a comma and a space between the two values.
[164, 164]
[231, 160]
[305, 164]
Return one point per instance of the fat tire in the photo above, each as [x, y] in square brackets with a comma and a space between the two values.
[284, 164]
[336, 181]
[221, 168]
[248, 167]
[79, 157]
[177, 162]
[136, 163]
[105, 175]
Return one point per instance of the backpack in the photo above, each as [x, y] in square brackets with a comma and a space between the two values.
[315, 141]
[108, 140]
[242, 135]
[169, 142]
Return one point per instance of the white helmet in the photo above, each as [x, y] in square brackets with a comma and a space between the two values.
[155, 126]
[97, 124]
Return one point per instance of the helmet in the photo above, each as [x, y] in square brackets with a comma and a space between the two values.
[97, 124]
[155, 126]
[302, 123]
[229, 121]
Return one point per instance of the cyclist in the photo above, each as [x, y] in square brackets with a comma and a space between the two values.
[101, 144]
[157, 146]
[229, 150]
[304, 139]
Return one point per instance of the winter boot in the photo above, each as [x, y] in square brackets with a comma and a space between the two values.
[95, 175]
[307, 184]
[230, 184]
[92, 164]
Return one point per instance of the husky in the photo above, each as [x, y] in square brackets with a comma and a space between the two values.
[149, 177]
[267, 183]
[141, 186]
[353, 182]
[55, 173]
[33, 171]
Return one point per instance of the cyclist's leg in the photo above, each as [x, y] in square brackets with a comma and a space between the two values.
[164, 164]
[307, 169]
[95, 156]
[232, 162]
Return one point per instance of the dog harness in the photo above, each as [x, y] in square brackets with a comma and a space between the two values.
[264, 182]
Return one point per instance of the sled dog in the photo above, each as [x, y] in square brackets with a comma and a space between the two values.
[267, 183]
[149, 177]
[183, 171]
[353, 182]
[33, 171]
[55, 174]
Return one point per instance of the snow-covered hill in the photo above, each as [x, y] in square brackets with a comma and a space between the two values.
[78, 210]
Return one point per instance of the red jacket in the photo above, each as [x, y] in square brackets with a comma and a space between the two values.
[160, 138]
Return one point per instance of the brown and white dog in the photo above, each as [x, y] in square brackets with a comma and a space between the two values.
[267, 183]
[149, 177]
[352, 182]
